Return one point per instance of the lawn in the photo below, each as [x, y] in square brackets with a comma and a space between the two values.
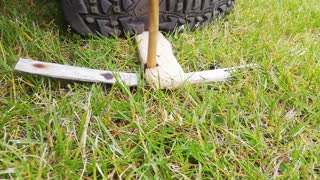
[263, 124]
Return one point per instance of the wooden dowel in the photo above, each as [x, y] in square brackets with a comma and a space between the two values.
[153, 33]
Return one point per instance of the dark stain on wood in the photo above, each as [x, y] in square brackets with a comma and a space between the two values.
[107, 76]
[39, 66]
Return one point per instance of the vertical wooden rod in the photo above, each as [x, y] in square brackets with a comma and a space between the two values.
[153, 33]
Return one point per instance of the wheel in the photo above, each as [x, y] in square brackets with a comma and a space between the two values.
[116, 17]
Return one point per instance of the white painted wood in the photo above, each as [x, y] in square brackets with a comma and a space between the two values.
[168, 74]
[217, 75]
[75, 73]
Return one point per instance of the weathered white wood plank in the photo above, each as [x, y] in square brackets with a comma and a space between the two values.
[216, 75]
[169, 74]
[75, 73]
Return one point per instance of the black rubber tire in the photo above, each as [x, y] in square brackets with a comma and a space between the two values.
[116, 17]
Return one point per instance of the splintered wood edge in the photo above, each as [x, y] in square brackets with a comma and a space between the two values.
[75, 73]
[216, 75]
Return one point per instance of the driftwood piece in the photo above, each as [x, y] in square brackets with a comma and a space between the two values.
[75, 73]
[168, 74]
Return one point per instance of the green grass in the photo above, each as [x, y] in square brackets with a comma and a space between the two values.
[264, 124]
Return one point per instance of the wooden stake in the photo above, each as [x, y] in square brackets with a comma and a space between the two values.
[153, 33]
